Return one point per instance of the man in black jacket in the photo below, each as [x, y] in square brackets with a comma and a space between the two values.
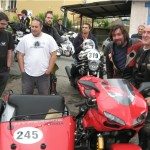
[140, 31]
[49, 29]
[6, 46]
[142, 74]
[121, 54]
[25, 20]
[60, 28]
[78, 46]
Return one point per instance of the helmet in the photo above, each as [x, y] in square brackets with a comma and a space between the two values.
[88, 44]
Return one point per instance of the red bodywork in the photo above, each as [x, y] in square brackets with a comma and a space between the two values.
[125, 147]
[58, 134]
[128, 113]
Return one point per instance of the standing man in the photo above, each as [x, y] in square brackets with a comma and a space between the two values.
[49, 29]
[6, 46]
[121, 53]
[25, 20]
[60, 28]
[140, 31]
[36, 58]
[142, 74]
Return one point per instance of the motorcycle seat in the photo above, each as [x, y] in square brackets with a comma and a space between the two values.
[36, 104]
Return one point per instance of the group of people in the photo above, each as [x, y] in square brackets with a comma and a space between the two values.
[39, 51]
[127, 58]
[26, 21]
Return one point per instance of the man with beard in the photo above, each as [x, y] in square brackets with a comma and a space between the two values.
[6, 46]
[121, 53]
[49, 29]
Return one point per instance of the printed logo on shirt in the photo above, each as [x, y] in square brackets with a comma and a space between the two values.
[37, 44]
[2, 43]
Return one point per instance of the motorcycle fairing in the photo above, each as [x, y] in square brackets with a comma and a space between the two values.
[57, 134]
[127, 111]
[125, 147]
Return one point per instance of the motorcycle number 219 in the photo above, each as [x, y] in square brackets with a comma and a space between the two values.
[28, 135]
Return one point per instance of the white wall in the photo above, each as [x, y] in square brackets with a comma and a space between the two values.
[139, 15]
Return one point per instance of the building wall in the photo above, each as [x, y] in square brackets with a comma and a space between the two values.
[41, 6]
[139, 15]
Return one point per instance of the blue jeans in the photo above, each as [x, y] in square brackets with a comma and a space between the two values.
[29, 83]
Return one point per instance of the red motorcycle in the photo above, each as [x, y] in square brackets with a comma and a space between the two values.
[112, 113]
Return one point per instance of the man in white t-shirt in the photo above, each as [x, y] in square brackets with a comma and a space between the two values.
[36, 58]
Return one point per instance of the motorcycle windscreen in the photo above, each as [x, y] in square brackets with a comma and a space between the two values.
[121, 91]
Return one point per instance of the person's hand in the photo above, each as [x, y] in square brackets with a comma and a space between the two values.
[47, 72]
[148, 100]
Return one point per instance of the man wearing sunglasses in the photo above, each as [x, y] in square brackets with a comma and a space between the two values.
[6, 46]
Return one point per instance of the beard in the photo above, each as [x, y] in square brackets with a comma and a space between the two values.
[119, 43]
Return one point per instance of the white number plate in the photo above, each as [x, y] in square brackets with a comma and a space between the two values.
[93, 55]
[28, 135]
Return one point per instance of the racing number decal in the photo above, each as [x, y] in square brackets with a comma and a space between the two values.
[93, 55]
[28, 135]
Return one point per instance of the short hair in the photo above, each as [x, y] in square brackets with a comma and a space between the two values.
[123, 30]
[3, 16]
[87, 25]
[24, 12]
[48, 12]
[141, 26]
[39, 20]
[59, 19]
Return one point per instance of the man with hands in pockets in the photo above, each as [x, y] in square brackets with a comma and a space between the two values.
[36, 58]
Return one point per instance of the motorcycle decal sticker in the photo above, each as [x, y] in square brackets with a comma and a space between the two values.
[93, 55]
[28, 135]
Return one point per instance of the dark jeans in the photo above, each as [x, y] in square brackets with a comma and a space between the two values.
[42, 83]
[3, 81]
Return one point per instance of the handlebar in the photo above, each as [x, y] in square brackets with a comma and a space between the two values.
[88, 102]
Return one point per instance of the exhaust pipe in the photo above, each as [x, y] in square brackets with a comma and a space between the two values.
[68, 70]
